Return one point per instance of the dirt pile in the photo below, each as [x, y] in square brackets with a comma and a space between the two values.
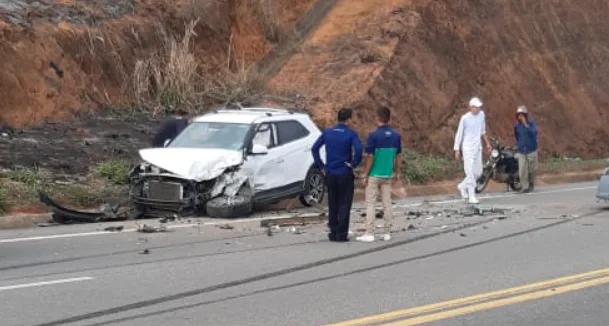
[424, 59]
[60, 57]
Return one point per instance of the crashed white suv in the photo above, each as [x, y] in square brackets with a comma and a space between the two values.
[226, 162]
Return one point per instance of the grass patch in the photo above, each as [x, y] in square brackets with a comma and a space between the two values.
[3, 204]
[420, 168]
[115, 170]
[559, 165]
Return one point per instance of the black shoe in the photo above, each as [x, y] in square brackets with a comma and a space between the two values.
[332, 237]
[525, 191]
[342, 240]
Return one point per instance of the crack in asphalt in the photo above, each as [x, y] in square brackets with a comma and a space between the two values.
[265, 276]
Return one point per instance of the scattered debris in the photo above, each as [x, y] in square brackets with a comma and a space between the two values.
[587, 224]
[168, 219]
[47, 224]
[114, 228]
[503, 217]
[64, 215]
[463, 234]
[225, 226]
[485, 227]
[151, 229]
[411, 227]
[145, 252]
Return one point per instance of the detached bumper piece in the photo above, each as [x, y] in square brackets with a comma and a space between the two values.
[65, 215]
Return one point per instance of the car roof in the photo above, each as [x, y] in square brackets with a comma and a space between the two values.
[244, 115]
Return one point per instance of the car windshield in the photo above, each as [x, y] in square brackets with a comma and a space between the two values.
[221, 135]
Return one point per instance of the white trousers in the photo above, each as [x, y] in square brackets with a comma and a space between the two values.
[472, 166]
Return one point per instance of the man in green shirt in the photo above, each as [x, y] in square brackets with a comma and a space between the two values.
[382, 164]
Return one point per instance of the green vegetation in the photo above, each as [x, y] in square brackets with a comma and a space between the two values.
[3, 204]
[420, 168]
[114, 170]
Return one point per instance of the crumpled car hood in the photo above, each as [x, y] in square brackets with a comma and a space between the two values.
[199, 164]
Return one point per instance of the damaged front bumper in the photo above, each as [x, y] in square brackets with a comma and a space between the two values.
[64, 215]
[157, 194]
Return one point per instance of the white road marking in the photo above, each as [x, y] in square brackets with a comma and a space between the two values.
[30, 285]
[180, 226]
[279, 217]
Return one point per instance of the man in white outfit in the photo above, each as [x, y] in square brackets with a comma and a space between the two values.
[468, 144]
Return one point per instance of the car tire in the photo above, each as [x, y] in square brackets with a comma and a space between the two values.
[314, 183]
[230, 207]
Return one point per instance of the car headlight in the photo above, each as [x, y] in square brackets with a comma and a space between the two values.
[494, 153]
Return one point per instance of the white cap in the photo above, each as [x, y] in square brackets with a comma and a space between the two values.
[475, 102]
[522, 109]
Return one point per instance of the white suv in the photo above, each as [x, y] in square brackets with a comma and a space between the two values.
[227, 161]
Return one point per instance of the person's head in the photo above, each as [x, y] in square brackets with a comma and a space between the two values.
[383, 115]
[344, 115]
[475, 105]
[182, 114]
[522, 111]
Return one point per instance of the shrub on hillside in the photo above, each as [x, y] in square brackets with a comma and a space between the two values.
[173, 78]
[420, 168]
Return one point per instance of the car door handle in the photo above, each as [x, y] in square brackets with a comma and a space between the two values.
[279, 160]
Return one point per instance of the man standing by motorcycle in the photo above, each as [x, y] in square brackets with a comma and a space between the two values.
[525, 132]
[468, 144]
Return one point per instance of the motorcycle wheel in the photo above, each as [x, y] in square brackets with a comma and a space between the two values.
[482, 182]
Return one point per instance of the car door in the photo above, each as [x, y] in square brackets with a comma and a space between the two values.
[294, 140]
[265, 171]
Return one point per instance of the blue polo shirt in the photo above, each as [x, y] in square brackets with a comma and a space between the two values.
[384, 144]
[526, 138]
[342, 147]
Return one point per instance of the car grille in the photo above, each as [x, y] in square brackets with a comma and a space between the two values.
[171, 191]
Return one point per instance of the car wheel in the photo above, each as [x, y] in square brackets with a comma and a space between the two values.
[315, 188]
[230, 207]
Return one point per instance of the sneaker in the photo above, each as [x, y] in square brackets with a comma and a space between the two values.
[474, 201]
[387, 237]
[365, 238]
[462, 191]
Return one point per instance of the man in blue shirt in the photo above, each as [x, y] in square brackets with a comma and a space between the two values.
[343, 154]
[525, 132]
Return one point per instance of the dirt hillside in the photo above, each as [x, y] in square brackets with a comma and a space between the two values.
[59, 57]
[424, 59]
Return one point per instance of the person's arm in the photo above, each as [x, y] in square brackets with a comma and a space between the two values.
[489, 147]
[315, 151]
[370, 147]
[398, 160]
[458, 139]
[357, 148]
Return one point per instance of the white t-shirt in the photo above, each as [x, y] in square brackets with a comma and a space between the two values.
[471, 128]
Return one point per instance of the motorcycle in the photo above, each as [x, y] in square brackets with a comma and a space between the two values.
[501, 167]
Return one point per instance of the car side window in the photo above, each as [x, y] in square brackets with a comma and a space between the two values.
[289, 131]
[265, 135]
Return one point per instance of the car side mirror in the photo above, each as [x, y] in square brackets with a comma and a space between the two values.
[167, 141]
[258, 149]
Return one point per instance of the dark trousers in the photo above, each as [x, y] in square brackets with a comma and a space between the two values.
[340, 197]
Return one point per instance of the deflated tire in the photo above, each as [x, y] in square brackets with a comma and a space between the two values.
[229, 207]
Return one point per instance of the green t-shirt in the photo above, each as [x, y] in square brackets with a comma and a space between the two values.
[382, 163]
[384, 144]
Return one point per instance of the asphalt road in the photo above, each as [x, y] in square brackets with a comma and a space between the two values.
[521, 264]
